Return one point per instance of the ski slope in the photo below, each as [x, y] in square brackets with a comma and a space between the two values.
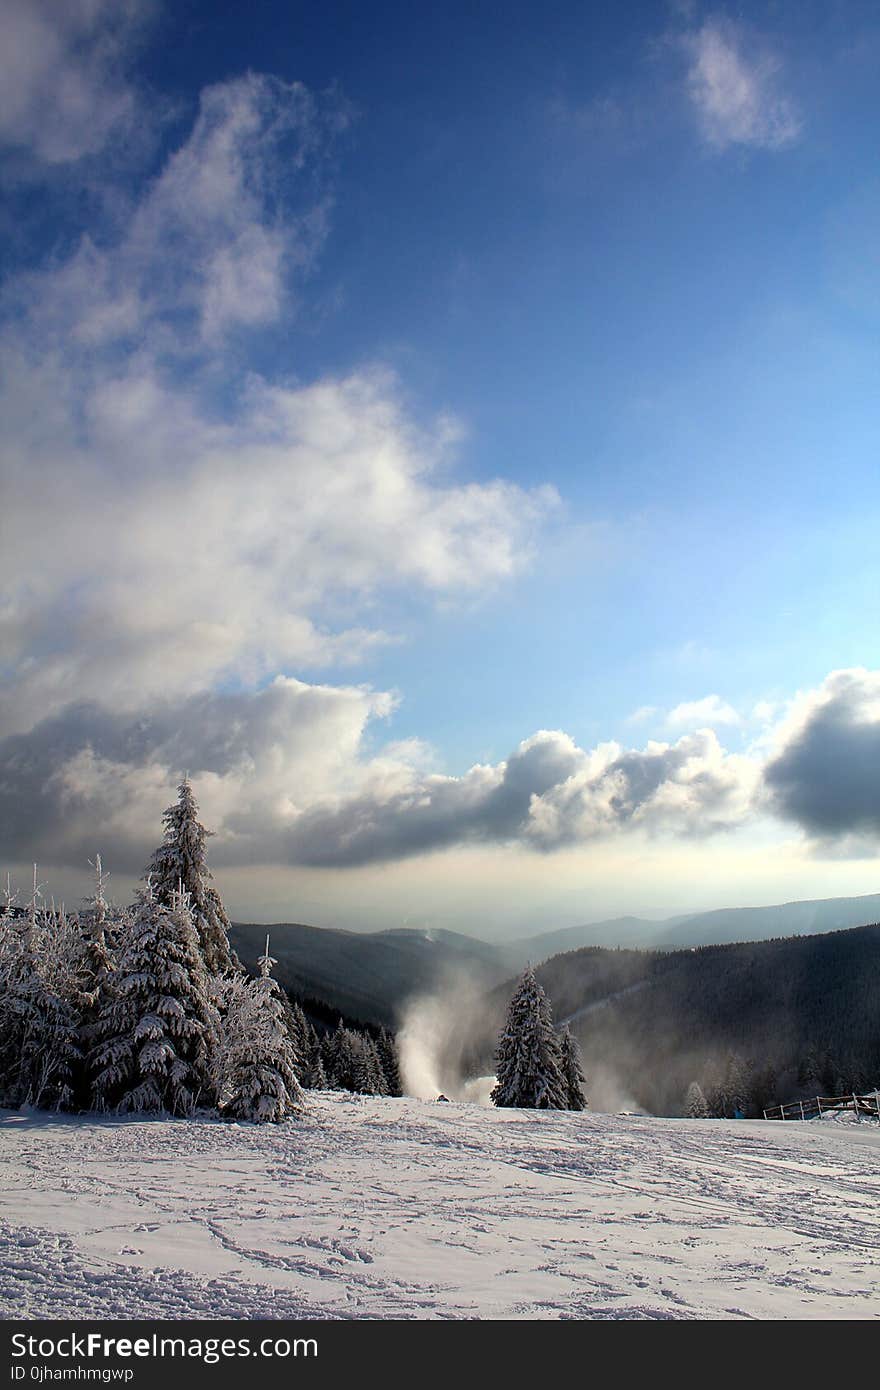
[386, 1208]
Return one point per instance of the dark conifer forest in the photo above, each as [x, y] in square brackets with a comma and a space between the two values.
[770, 1019]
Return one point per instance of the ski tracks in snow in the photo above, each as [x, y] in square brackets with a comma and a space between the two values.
[400, 1208]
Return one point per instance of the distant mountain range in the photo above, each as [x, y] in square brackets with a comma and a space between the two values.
[370, 976]
[805, 1011]
[724, 924]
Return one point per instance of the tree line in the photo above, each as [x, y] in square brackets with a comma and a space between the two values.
[751, 1024]
[149, 1010]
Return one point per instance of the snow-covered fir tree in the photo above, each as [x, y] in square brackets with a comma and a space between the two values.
[40, 959]
[317, 1076]
[333, 1049]
[312, 1074]
[157, 1026]
[259, 1064]
[572, 1071]
[738, 1085]
[182, 859]
[19, 997]
[352, 1062]
[390, 1063]
[343, 1076]
[527, 1062]
[695, 1105]
[369, 1078]
[54, 1058]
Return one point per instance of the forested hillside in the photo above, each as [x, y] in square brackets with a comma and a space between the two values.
[369, 975]
[792, 1015]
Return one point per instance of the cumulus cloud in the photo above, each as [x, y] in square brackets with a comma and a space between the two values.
[219, 553]
[734, 86]
[824, 772]
[285, 777]
[64, 92]
[294, 774]
[90, 776]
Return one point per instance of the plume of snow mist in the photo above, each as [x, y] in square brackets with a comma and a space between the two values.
[432, 1040]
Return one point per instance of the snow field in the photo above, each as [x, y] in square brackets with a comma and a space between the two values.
[383, 1208]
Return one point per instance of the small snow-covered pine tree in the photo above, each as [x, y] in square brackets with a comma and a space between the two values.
[52, 1058]
[157, 1027]
[182, 859]
[311, 1073]
[346, 1059]
[99, 961]
[97, 968]
[368, 1076]
[259, 1081]
[334, 1049]
[696, 1106]
[737, 1085]
[572, 1071]
[527, 1062]
[40, 957]
[20, 991]
[390, 1064]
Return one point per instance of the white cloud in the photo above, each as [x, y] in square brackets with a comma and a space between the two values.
[735, 89]
[219, 552]
[191, 544]
[63, 88]
[289, 775]
[706, 713]
[215, 241]
[642, 714]
[294, 774]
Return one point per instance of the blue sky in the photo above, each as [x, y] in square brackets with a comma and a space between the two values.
[392, 388]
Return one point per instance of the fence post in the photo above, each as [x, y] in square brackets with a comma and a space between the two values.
[803, 1116]
[856, 1107]
[819, 1103]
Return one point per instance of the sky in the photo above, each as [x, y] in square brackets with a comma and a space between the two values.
[449, 435]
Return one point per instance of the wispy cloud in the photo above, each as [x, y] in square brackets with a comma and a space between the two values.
[64, 89]
[216, 242]
[735, 86]
[706, 713]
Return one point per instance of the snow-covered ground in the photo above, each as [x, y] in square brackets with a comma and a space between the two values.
[408, 1209]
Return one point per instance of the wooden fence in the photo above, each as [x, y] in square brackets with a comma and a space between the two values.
[868, 1105]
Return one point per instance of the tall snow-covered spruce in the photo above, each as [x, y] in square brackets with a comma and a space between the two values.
[182, 860]
[156, 1029]
[528, 1060]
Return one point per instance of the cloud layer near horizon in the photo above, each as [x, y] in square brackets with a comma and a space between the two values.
[290, 775]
